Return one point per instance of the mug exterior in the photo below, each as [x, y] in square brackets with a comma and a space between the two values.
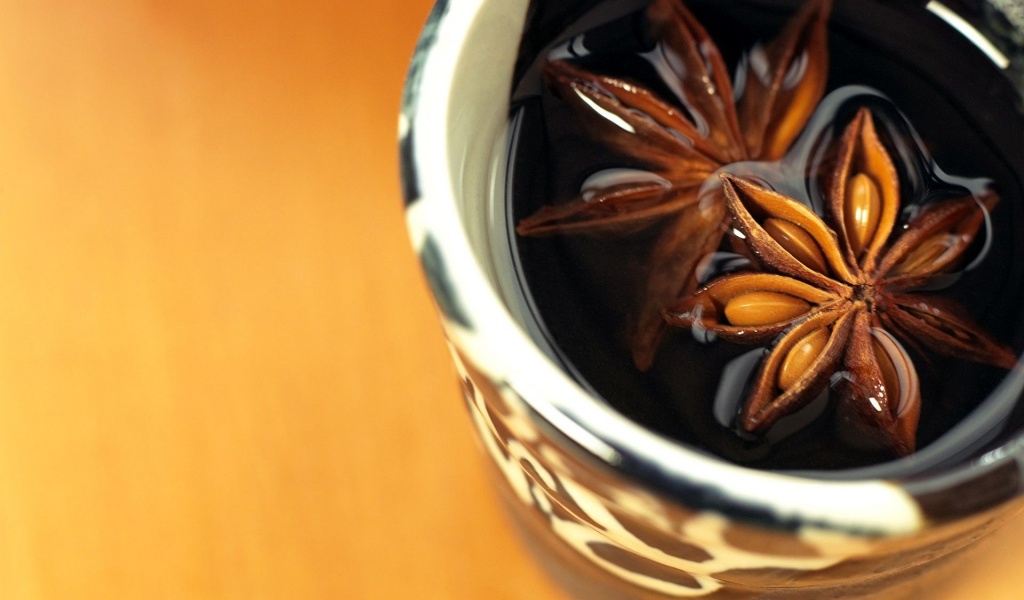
[611, 509]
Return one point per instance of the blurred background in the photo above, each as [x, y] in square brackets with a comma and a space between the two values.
[220, 373]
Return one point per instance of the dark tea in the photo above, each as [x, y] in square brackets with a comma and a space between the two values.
[788, 234]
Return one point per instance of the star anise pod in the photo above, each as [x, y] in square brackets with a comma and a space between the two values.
[836, 295]
[685, 142]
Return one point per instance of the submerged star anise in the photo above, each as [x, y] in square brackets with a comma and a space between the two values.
[837, 295]
[709, 125]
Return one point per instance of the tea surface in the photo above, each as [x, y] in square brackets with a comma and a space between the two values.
[585, 286]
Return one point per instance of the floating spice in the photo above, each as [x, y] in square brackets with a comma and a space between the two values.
[837, 296]
[684, 143]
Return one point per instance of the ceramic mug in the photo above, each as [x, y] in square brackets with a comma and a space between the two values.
[612, 509]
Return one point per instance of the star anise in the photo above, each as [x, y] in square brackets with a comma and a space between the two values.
[837, 295]
[684, 143]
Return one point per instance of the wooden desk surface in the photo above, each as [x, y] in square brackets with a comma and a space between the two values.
[220, 374]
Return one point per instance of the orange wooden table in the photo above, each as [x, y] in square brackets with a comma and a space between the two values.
[220, 374]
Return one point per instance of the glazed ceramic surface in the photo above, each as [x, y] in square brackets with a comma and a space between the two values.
[614, 510]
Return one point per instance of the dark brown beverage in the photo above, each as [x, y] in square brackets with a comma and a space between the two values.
[945, 116]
